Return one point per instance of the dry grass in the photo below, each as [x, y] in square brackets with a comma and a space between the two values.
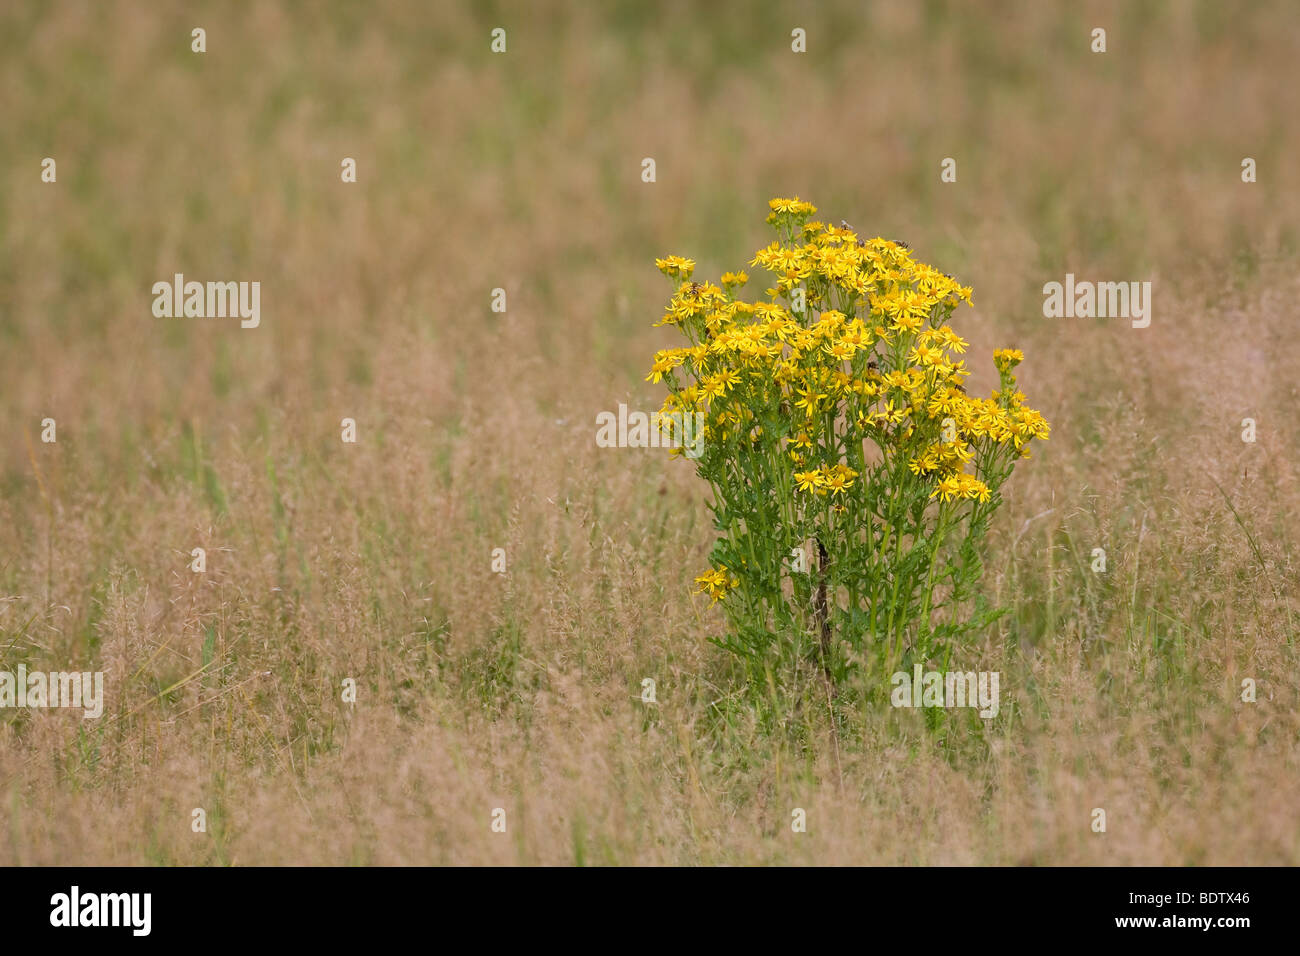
[372, 561]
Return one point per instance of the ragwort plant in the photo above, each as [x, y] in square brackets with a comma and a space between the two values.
[853, 477]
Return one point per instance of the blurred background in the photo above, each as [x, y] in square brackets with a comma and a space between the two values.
[522, 171]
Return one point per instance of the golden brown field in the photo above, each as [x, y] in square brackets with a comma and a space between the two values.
[522, 171]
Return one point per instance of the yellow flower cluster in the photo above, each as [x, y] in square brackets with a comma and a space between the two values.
[836, 480]
[715, 582]
[850, 345]
[1007, 359]
[960, 485]
[784, 210]
[676, 267]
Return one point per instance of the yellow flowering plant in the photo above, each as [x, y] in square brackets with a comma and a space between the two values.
[853, 477]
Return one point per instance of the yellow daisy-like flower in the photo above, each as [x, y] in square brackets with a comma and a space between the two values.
[793, 207]
[715, 582]
[840, 351]
[809, 399]
[839, 479]
[676, 267]
[809, 480]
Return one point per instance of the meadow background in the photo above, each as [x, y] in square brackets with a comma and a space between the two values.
[476, 430]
